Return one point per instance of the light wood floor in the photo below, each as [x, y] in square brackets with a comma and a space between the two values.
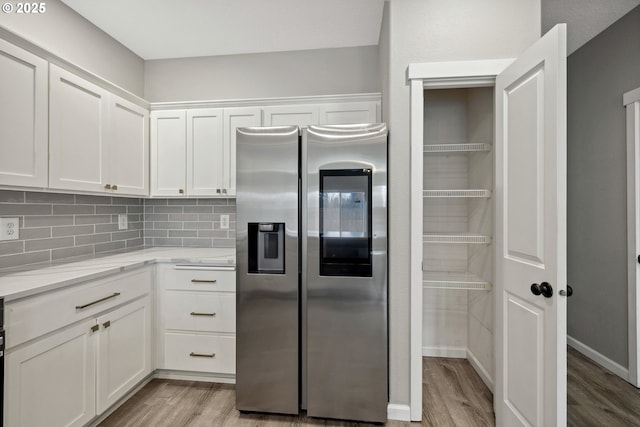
[456, 396]
[596, 397]
[453, 395]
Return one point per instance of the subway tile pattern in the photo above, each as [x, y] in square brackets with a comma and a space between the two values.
[59, 226]
[189, 223]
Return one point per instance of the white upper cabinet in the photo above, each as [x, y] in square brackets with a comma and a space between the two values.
[168, 153]
[128, 148]
[23, 118]
[205, 152]
[233, 119]
[77, 139]
[290, 115]
[97, 141]
[193, 151]
[304, 115]
[348, 112]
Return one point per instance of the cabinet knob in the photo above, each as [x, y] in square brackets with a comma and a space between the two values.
[218, 190]
[114, 187]
[224, 191]
[107, 324]
[107, 186]
[95, 328]
[181, 191]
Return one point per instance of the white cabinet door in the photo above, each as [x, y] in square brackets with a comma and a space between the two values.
[51, 382]
[24, 118]
[531, 199]
[124, 351]
[348, 112]
[291, 115]
[233, 119]
[205, 152]
[128, 148]
[168, 153]
[77, 136]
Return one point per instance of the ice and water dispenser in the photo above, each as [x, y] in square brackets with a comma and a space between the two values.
[266, 247]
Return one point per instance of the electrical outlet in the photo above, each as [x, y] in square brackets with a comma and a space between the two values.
[9, 228]
[224, 222]
[122, 222]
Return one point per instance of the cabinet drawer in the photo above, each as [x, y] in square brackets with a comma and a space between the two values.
[34, 316]
[200, 353]
[197, 279]
[207, 312]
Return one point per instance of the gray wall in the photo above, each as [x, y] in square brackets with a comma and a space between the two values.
[584, 18]
[63, 32]
[598, 74]
[263, 75]
[425, 31]
[58, 226]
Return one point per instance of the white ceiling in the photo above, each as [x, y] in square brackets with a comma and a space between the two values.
[156, 29]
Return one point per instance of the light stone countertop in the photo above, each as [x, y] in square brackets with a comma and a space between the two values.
[37, 280]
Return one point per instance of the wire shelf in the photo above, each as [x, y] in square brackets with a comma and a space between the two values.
[454, 280]
[456, 238]
[457, 193]
[453, 148]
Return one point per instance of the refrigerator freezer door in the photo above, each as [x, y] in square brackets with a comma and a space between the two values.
[267, 270]
[345, 246]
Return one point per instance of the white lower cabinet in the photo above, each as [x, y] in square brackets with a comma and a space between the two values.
[124, 351]
[69, 374]
[52, 382]
[197, 317]
[200, 353]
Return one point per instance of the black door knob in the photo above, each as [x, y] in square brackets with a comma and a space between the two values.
[569, 290]
[535, 289]
[544, 289]
[638, 259]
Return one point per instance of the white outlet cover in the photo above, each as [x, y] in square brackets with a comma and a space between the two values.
[122, 222]
[224, 222]
[9, 228]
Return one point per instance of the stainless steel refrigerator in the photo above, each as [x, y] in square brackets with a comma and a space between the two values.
[311, 239]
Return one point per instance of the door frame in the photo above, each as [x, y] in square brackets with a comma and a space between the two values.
[631, 102]
[431, 75]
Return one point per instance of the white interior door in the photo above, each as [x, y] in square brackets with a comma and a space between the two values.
[531, 372]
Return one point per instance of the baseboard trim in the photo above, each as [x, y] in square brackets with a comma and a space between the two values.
[194, 376]
[599, 358]
[451, 352]
[398, 412]
[481, 371]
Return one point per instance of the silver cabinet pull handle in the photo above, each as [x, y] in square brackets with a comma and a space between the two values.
[80, 307]
[202, 281]
[192, 354]
[193, 313]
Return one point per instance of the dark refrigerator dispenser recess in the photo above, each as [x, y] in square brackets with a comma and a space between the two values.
[311, 254]
[266, 248]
